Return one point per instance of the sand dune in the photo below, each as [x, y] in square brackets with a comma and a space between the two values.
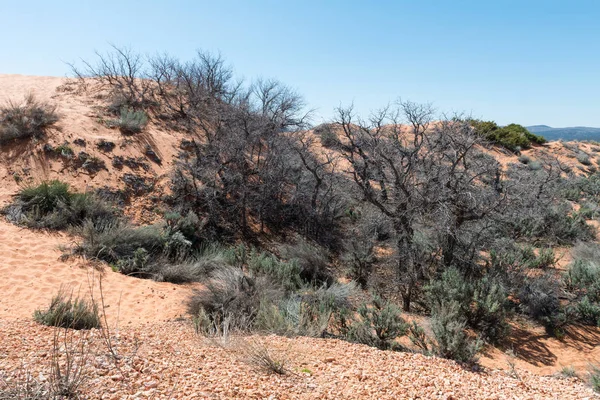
[32, 273]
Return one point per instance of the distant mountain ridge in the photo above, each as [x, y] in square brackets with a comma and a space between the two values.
[569, 133]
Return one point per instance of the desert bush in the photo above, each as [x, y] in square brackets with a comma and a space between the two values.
[29, 120]
[379, 325]
[68, 312]
[583, 281]
[256, 353]
[287, 274]
[524, 159]
[554, 224]
[584, 158]
[119, 241]
[588, 311]
[24, 387]
[196, 267]
[328, 137]
[311, 312]
[312, 260]
[232, 296]
[449, 330]
[589, 210]
[539, 299]
[535, 165]
[172, 250]
[481, 303]
[513, 136]
[130, 121]
[360, 259]
[51, 205]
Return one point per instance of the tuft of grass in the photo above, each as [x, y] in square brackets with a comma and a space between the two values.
[29, 120]
[568, 372]
[257, 354]
[594, 377]
[65, 311]
[130, 121]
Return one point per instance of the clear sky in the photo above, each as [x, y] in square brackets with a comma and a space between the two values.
[524, 61]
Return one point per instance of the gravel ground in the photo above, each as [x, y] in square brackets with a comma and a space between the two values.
[168, 360]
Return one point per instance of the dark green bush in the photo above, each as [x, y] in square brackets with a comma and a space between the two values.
[514, 137]
[29, 120]
[329, 139]
[51, 205]
[68, 312]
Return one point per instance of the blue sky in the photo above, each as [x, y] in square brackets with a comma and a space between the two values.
[526, 61]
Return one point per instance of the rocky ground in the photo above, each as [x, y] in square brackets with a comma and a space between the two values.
[168, 360]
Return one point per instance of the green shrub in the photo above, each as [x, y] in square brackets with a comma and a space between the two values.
[287, 274]
[555, 225]
[234, 298]
[583, 281]
[449, 330]
[130, 121]
[51, 205]
[380, 324]
[584, 159]
[122, 243]
[535, 165]
[588, 312]
[197, 268]
[312, 312]
[330, 140]
[513, 136]
[68, 312]
[64, 150]
[29, 120]
[480, 303]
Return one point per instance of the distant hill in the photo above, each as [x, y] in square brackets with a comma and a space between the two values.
[571, 133]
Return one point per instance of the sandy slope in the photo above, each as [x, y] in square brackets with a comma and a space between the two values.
[31, 274]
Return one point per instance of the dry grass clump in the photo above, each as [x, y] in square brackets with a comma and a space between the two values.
[66, 311]
[28, 120]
